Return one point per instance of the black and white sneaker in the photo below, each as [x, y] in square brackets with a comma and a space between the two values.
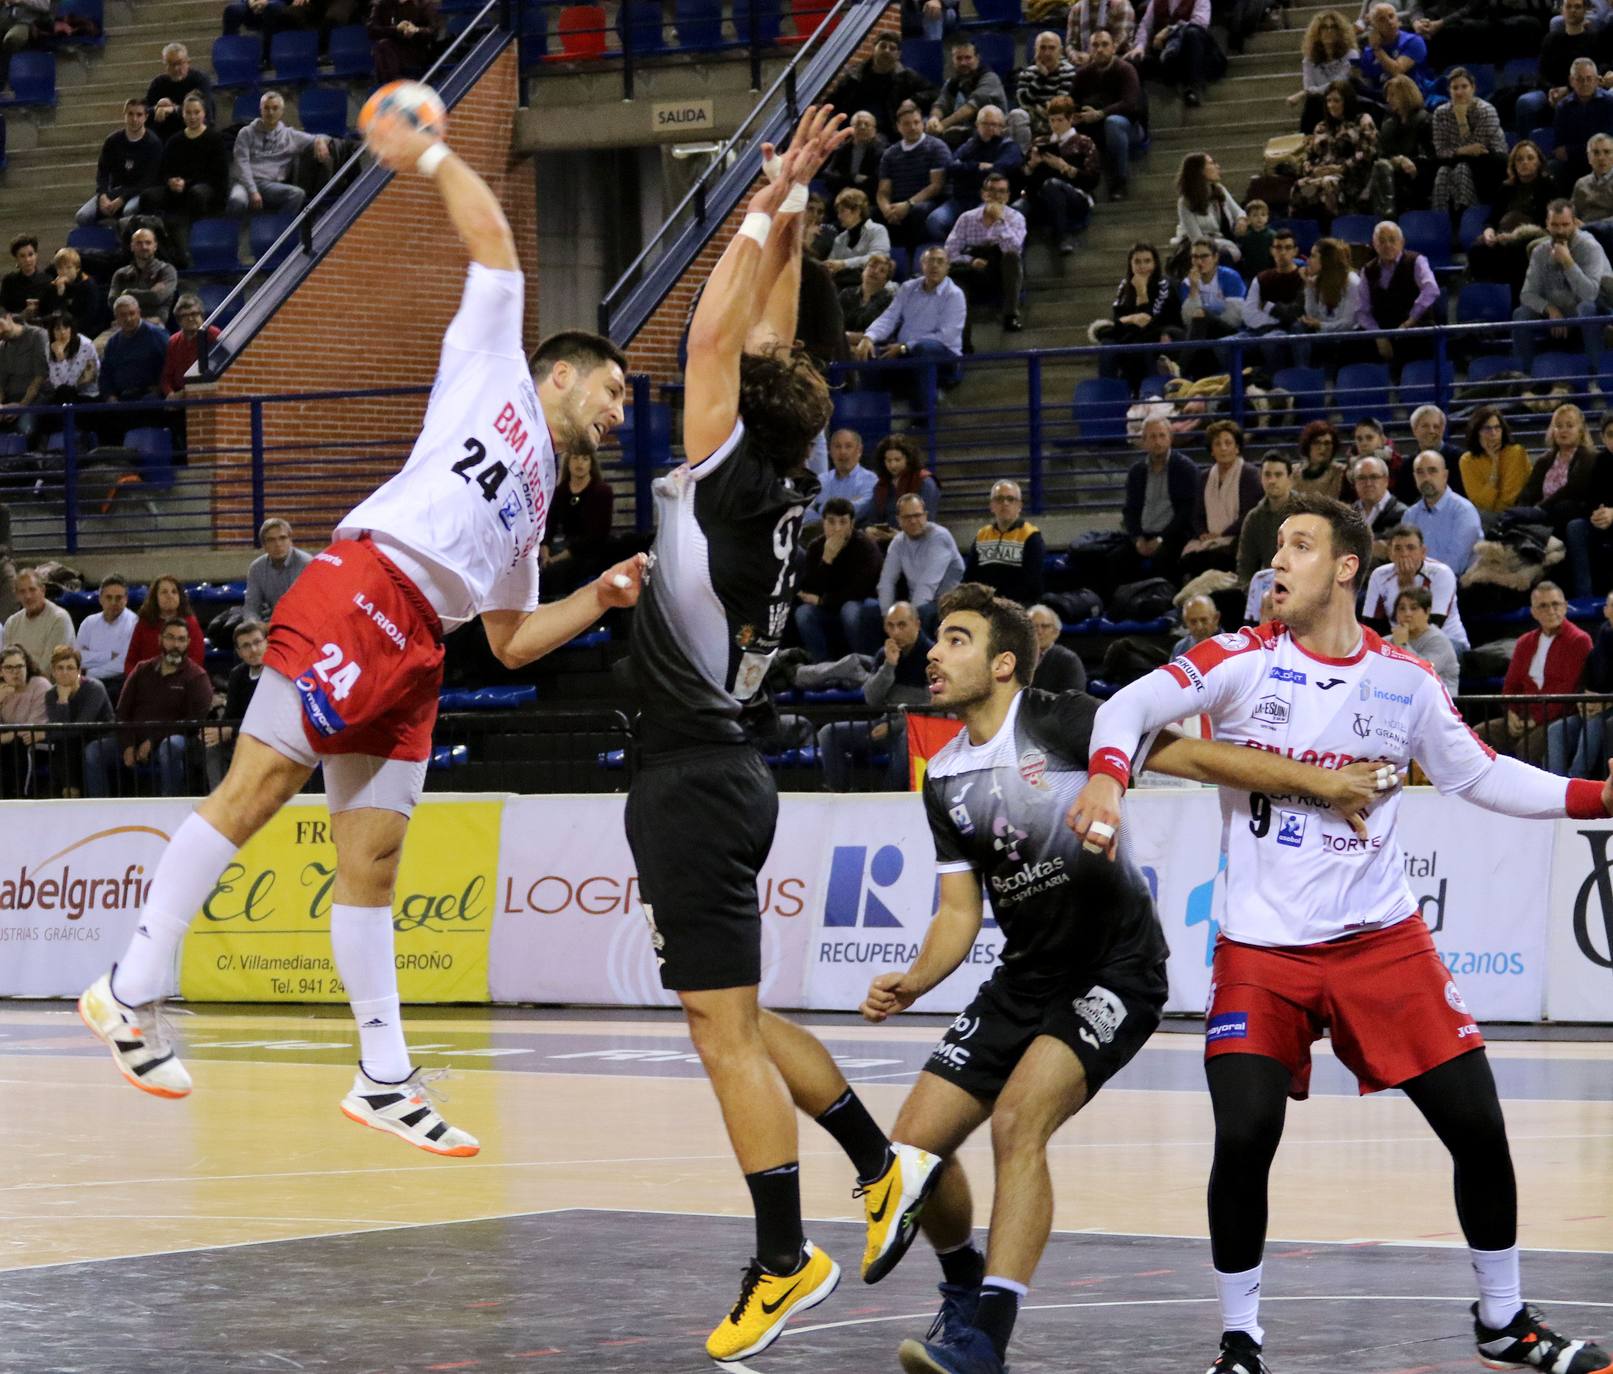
[1526, 1342]
[1239, 1355]
[405, 1110]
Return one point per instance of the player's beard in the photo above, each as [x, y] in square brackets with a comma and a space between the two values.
[961, 695]
[576, 437]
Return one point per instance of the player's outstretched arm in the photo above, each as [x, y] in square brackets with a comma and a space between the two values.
[946, 945]
[519, 637]
[477, 216]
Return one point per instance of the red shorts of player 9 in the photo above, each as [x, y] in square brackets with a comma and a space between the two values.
[1383, 996]
[364, 650]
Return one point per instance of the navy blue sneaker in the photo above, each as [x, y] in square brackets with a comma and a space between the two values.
[968, 1352]
[957, 1314]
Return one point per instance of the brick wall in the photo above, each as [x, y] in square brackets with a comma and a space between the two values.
[371, 314]
[654, 349]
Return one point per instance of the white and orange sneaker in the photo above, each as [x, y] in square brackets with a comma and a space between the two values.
[138, 1038]
[405, 1110]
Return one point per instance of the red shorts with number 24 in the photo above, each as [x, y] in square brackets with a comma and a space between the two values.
[364, 650]
[1384, 997]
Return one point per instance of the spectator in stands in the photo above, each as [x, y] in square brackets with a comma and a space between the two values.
[1458, 31]
[1397, 290]
[1470, 145]
[281, 563]
[1413, 630]
[24, 371]
[1390, 52]
[1212, 306]
[1088, 18]
[1254, 243]
[1379, 506]
[899, 463]
[1494, 466]
[1202, 618]
[873, 295]
[265, 150]
[1061, 177]
[39, 625]
[251, 642]
[1162, 490]
[183, 345]
[900, 679]
[1548, 661]
[1008, 552]
[989, 152]
[1450, 523]
[1518, 217]
[985, 251]
[846, 479]
[1571, 39]
[72, 369]
[1257, 540]
[1341, 172]
[855, 164]
[1275, 301]
[1410, 568]
[1561, 487]
[1370, 439]
[1593, 192]
[971, 87]
[1427, 426]
[72, 293]
[76, 699]
[163, 692]
[1587, 110]
[1566, 270]
[23, 689]
[193, 178]
[165, 96]
[924, 321]
[837, 599]
[103, 638]
[131, 368]
[578, 538]
[922, 563]
[126, 166]
[858, 240]
[270, 17]
[1228, 491]
[912, 177]
[146, 279]
[1327, 54]
[1406, 145]
[1332, 300]
[404, 36]
[1321, 465]
[166, 599]
[1049, 75]
[882, 86]
[1205, 209]
[1109, 104]
[1174, 38]
[1146, 310]
[26, 286]
[1576, 740]
[1058, 669]
[932, 18]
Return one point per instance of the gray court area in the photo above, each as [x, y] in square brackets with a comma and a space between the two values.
[629, 1293]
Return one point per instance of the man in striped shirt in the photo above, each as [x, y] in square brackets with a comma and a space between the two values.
[1051, 74]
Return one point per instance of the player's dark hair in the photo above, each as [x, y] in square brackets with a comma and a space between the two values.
[584, 351]
[784, 403]
[1009, 629]
[838, 505]
[1346, 526]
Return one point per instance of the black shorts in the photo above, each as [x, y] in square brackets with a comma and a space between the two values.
[700, 823]
[1104, 1019]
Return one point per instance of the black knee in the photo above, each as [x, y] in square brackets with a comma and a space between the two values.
[1250, 1096]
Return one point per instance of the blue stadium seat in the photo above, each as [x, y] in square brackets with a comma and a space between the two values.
[33, 79]
[534, 36]
[768, 20]
[1100, 409]
[294, 55]
[1002, 13]
[245, 107]
[1561, 367]
[214, 247]
[866, 412]
[660, 454]
[1428, 232]
[1545, 137]
[93, 238]
[237, 61]
[503, 697]
[1483, 79]
[996, 50]
[213, 294]
[262, 231]
[924, 56]
[1519, 71]
[1488, 365]
[1362, 391]
[1475, 220]
[1308, 387]
[323, 111]
[446, 756]
[1484, 302]
[1305, 232]
[639, 22]
[1418, 383]
[89, 12]
[155, 445]
[698, 24]
[349, 52]
[1354, 228]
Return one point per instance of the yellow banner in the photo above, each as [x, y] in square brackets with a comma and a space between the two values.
[264, 933]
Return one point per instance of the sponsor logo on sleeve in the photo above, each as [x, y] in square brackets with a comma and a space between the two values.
[1229, 1025]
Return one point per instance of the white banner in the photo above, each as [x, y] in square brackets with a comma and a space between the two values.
[1579, 982]
[72, 877]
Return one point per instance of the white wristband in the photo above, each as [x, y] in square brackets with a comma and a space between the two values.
[756, 227]
[795, 201]
[773, 168]
[428, 162]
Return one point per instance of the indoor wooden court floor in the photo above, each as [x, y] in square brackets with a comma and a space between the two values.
[604, 1224]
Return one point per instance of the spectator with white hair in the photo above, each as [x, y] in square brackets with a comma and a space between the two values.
[1593, 192]
[1050, 74]
[1428, 425]
[1415, 630]
[185, 343]
[1410, 567]
[40, 624]
[165, 96]
[265, 150]
[855, 163]
[1379, 506]
[1398, 289]
[131, 366]
[1201, 617]
[1008, 552]
[1449, 523]
[1161, 491]
[1585, 111]
[1058, 669]
[274, 570]
[989, 152]
[1390, 51]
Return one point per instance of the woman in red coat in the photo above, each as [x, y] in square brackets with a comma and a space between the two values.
[165, 599]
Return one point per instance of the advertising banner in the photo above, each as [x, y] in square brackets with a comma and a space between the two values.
[264, 933]
[1579, 983]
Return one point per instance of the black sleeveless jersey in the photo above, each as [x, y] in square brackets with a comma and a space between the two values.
[718, 594]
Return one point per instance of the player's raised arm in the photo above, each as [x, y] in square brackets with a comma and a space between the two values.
[946, 945]
[477, 216]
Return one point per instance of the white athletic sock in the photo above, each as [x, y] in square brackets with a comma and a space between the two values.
[1240, 1302]
[1500, 1288]
[1007, 1285]
[183, 881]
[361, 940]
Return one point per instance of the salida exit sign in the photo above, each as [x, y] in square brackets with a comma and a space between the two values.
[683, 117]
